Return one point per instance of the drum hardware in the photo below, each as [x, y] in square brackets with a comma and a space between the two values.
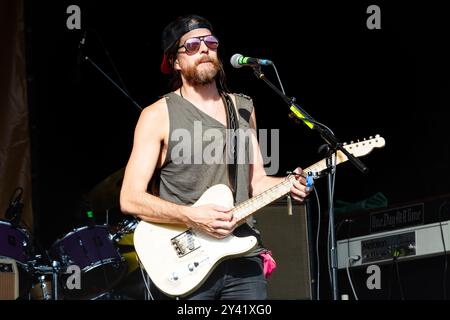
[46, 289]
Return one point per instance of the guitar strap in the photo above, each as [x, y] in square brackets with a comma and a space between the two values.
[231, 142]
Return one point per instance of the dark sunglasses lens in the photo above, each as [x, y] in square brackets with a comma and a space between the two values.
[211, 42]
[192, 45]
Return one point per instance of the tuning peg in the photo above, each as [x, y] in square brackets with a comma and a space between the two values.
[345, 143]
[364, 139]
[371, 137]
[377, 136]
[351, 142]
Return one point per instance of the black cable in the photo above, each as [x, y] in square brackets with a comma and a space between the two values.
[444, 275]
[389, 293]
[399, 282]
[348, 257]
[317, 245]
[329, 244]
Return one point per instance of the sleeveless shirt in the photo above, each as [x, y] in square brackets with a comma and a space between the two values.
[195, 156]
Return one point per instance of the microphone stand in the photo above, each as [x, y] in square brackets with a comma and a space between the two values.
[82, 56]
[112, 81]
[333, 145]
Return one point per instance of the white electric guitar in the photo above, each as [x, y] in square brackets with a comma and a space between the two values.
[179, 260]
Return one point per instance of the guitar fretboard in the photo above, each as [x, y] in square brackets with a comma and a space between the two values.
[247, 208]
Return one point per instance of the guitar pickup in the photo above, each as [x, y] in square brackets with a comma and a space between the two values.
[185, 243]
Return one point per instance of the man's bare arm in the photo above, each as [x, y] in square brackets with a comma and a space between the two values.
[151, 133]
[149, 137]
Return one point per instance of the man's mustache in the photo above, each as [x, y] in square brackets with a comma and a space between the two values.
[206, 59]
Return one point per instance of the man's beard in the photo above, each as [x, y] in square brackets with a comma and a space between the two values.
[197, 77]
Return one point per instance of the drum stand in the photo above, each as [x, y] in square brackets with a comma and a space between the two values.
[56, 266]
[146, 278]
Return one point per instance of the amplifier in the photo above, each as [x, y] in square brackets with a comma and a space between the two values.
[414, 213]
[290, 240]
[413, 242]
[9, 279]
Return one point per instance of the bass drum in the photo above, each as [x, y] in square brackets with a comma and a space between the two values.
[92, 250]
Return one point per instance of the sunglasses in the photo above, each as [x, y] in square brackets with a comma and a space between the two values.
[192, 45]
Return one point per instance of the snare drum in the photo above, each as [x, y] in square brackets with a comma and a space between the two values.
[93, 251]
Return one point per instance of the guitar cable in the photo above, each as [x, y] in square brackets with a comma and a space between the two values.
[333, 178]
[147, 284]
[317, 245]
[444, 275]
[350, 259]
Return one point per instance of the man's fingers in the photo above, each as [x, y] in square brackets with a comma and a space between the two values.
[225, 225]
[224, 216]
[297, 198]
[298, 192]
[221, 208]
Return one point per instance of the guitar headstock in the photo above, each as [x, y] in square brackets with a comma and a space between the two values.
[361, 148]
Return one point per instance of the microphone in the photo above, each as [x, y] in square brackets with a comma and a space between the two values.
[238, 61]
[80, 54]
[83, 40]
[14, 211]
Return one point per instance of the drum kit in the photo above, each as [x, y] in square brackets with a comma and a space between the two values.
[89, 262]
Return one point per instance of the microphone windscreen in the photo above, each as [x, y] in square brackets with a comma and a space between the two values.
[235, 60]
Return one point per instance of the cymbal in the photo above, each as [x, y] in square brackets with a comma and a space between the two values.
[106, 194]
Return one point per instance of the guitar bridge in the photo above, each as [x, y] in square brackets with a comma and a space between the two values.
[185, 243]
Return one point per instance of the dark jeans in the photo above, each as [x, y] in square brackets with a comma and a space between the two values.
[233, 279]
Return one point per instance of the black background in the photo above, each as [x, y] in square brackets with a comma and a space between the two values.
[360, 82]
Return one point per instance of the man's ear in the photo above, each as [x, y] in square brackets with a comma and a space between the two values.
[176, 64]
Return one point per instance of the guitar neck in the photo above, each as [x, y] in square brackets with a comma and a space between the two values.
[247, 208]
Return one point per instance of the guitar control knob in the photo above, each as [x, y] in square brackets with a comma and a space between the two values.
[174, 276]
[191, 267]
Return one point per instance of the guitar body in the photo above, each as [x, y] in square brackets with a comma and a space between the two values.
[179, 260]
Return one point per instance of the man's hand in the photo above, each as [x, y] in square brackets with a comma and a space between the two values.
[215, 220]
[300, 190]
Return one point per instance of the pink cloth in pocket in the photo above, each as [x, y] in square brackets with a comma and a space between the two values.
[269, 263]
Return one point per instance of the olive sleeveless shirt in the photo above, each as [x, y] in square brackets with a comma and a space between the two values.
[195, 156]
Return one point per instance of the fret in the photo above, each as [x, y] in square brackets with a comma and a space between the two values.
[245, 209]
